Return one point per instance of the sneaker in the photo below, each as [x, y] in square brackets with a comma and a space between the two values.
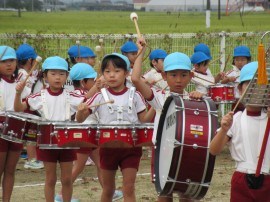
[89, 162]
[23, 155]
[33, 164]
[59, 198]
[117, 195]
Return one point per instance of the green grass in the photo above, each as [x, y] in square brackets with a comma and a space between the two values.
[90, 22]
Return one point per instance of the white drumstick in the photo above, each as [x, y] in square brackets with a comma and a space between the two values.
[79, 52]
[37, 60]
[134, 18]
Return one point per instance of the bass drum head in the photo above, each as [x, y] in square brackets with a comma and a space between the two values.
[165, 146]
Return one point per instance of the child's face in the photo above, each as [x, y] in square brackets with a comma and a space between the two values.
[178, 80]
[56, 79]
[88, 84]
[202, 68]
[240, 61]
[159, 64]
[115, 77]
[7, 67]
[88, 60]
[131, 57]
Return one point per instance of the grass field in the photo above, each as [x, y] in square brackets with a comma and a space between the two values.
[91, 22]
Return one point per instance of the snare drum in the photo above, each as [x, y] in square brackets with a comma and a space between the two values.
[222, 93]
[76, 135]
[18, 125]
[182, 161]
[144, 134]
[48, 135]
[116, 136]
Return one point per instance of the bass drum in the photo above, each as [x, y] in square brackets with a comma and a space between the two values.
[182, 161]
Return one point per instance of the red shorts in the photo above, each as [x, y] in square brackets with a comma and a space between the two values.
[6, 146]
[111, 158]
[241, 192]
[85, 150]
[55, 155]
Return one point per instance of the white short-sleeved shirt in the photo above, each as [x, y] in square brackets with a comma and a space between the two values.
[30, 81]
[69, 84]
[202, 81]
[92, 118]
[56, 104]
[153, 76]
[120, 99]
[235, 72]
[7, 94]
[246, 135]
[157, 101]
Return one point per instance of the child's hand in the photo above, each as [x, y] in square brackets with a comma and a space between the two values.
[19, 87]
[227, 121]
[196, 95]
[100, 83]
[141, 43]
[82, 107]
[232, 79]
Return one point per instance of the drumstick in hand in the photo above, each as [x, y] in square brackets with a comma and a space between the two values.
[37, 60]
[108, 102]
[134, 18]
[204, 79]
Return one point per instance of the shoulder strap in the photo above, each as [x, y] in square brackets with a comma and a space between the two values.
[130, 99]
[67, 98]
[44, 104]
[106, 98]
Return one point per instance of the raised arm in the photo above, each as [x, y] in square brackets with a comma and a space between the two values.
[136, 78]
[19, 106]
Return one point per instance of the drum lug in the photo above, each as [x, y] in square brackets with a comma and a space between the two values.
[134, 135]
[97, 134]
[66, 133]
[115, 133]
[196, 112]
[195, 146]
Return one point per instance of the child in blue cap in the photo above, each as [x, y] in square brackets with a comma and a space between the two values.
[243, 132]
[26, 56]
[53, 104]
[153, 77]
[128, 108]
[202, 79]
[177, 73]
[241, 57]
[9, 151]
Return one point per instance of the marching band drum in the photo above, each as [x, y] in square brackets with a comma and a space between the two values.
[222, 93]
[182, 161]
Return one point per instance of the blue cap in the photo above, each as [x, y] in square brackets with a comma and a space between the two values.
[157, 54]
[129, 47]
[203, 48]
[81, 71]
[55, 62]
[177, 61]
[198, 57]
[7, 52]
[25, 52]
[248, 71]
[84, 52]
[241, 51]
[123, 57]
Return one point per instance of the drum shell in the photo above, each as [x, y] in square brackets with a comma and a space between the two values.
[222, 93]
[144, 134]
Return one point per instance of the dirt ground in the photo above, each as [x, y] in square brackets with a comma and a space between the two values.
[29, 183]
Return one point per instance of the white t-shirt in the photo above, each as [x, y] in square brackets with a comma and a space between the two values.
[154, 76]
[56, 104]
[69, 84]
[120, 99]
[7, 94]
[246, 135]
[236, 73]
[157, 101]
[202, 82]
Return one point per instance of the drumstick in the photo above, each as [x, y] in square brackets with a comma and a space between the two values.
[215, 60]
[108, 102]
[79, 51]
[204, 79]
[37, 60]
[134, 18]
[226, 62]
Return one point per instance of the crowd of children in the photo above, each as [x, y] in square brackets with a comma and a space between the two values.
[79, 93]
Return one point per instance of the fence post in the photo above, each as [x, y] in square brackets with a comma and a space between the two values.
[222, 50]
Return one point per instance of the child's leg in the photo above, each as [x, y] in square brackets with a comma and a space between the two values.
[108, 176]
[12, 158]
[79, 165]
[31, 152]
[50, 181]
[129, 177]
[95, 157]
[66, 180]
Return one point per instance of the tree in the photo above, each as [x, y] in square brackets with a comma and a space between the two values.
[17, 4]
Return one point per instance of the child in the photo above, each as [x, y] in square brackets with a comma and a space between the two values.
[244, 132]
[153, 77]
[201, 78]
[241, 56]
[177, 73]
[128, 108]
[9, 151]
[26, 56]
[50, 103]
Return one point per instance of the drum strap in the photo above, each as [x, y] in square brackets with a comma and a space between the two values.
[106, 98]
[130, 99]
[45, 106]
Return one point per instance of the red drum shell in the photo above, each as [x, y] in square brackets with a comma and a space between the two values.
[222, 93]
[184, 133]
[144, 135]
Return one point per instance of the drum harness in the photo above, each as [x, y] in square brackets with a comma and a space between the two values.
[117, 108]
[45, 106]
